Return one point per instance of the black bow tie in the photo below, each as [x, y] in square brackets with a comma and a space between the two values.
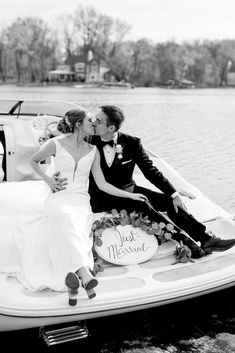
[110, 143]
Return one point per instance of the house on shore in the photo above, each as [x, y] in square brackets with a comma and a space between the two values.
[62, 73]
[78, 68]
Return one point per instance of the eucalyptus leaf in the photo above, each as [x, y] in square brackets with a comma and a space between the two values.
[99, 242]
[170, 227]
[167, 236]
[155, 225]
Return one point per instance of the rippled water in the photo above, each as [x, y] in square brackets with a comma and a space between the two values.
[193, 130]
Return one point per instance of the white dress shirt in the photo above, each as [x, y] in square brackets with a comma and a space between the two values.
[109, 152]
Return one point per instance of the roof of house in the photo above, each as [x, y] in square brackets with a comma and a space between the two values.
[74, 59]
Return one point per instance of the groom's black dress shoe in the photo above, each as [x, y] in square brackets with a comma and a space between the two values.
[197, 251]
[217, 244]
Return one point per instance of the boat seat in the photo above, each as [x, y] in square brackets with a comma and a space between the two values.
[202, 210]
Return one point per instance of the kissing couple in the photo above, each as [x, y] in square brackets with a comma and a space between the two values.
[91, 176]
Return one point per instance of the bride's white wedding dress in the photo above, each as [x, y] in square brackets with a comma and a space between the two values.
[45, 235]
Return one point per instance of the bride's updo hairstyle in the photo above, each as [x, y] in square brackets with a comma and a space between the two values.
[73, 116]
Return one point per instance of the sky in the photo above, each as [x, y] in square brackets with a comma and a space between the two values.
[158, 20]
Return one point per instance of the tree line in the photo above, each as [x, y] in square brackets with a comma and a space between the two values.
[30, 47]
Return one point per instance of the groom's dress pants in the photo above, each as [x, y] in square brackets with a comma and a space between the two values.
[160, 202]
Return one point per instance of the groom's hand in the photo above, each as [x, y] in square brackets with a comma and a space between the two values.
[177, 202]
[61, 182]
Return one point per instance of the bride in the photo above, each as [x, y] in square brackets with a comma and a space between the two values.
[51, 246]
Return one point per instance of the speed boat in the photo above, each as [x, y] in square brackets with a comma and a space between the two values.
[152, 282]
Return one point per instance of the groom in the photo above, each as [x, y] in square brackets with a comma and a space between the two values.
[119, 154]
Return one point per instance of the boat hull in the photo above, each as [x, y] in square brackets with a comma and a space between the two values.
[121, 289]
[13, 323]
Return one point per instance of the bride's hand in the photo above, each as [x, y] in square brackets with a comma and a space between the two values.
[63, 182]
[138, 197]
[54, 183]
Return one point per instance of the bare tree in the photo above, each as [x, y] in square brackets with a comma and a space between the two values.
[143, 69]
[121, 62]
[102, 43]
[68, 32]
[3, 57]
[121, 30]
[32, 43]
[95, 31]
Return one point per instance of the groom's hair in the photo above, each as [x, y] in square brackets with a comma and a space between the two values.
[114, 115]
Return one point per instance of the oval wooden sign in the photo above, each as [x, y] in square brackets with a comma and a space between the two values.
[125, 245]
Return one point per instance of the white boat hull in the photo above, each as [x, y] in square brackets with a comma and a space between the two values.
[160, 286]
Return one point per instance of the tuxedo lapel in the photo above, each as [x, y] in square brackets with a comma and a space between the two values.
[101, 150]
[100, 147]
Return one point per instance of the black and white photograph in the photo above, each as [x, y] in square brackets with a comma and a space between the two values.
[117, 176]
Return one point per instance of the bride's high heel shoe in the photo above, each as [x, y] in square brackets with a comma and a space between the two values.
[90, 293]
[88, 281]
[72, 282]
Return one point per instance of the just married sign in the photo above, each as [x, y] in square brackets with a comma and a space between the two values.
[125, 245]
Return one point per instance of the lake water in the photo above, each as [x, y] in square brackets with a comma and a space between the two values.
[193, 130]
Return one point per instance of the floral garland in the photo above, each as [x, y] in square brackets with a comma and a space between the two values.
[162, 231]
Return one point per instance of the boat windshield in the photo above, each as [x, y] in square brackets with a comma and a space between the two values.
[35, 107]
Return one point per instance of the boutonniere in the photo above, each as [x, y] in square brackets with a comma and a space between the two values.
[119, 149]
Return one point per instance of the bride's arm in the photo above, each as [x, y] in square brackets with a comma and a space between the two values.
[109, 188]
[46, 150]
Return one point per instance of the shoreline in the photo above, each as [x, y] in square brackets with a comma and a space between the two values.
[100, 85]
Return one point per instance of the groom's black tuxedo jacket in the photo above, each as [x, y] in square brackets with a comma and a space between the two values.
[120, 174]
